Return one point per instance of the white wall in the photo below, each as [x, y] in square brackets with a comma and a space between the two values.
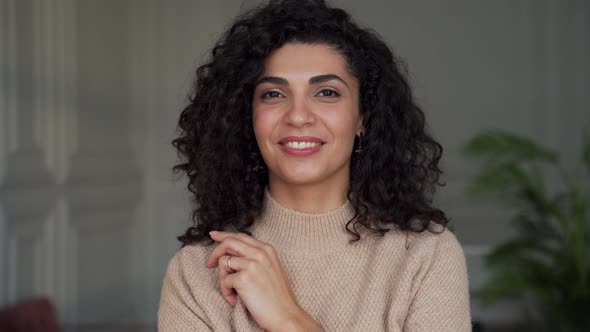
[90, 92]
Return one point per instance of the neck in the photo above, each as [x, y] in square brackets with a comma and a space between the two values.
[309, 198]
[303, 234]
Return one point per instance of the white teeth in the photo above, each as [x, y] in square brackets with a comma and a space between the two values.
[301, 145]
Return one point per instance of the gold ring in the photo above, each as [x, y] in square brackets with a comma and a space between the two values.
[227, 263]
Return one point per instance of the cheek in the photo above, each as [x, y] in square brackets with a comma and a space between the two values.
[343, 128]
[263, 124]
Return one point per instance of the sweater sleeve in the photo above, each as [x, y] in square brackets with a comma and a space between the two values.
[179, 311]
[442, 300]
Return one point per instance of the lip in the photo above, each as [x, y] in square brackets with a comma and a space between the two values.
[312, 139]
[300, 152]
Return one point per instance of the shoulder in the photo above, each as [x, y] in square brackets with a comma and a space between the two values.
[438, 255]
[190, 298]
[191, 252]
[188, 266]
[439, 242]
[440, 285]
[421, 251]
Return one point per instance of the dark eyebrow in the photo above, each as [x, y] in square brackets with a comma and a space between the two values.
[313, 80]
[272, 79]
[325, 78]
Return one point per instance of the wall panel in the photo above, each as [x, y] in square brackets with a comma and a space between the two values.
[69, 183]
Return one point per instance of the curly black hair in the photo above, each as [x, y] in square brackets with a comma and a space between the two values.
[393, 180]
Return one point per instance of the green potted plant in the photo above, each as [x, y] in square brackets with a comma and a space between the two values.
[548, 260]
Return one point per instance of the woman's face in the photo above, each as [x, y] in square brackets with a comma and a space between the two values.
[305, 114]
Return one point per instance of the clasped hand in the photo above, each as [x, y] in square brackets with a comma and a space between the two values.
[256, 276]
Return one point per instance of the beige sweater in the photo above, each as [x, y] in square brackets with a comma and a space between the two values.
[400, 282]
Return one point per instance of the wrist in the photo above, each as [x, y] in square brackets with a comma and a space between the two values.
[301, 321]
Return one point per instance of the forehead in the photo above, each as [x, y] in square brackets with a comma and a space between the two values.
[305, 59]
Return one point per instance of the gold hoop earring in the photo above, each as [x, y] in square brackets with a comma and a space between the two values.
[359, 147]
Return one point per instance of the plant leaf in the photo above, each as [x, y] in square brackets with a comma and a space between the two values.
[586, 151]
[501, 285]
[578, 236]
[502, 144]
[514, 249]
[498, 178]
[510, 283]
[539, 228]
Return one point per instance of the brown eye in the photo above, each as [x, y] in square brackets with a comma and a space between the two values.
[329, 93]
[271, 94]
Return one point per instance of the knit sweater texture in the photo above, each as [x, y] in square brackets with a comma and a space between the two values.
[403, 281]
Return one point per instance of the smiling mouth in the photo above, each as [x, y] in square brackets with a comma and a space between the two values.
[302, 145]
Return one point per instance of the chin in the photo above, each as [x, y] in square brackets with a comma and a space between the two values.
[301, 177]
[302, 181]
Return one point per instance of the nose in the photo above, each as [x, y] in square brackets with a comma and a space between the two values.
[300, 114]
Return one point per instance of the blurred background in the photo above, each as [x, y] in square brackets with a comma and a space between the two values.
[90, 93]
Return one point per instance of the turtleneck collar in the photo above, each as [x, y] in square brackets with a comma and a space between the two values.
[299, 233]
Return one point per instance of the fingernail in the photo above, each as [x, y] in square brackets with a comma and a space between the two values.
[213, 233]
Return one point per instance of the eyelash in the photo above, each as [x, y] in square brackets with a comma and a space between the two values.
[335, 93]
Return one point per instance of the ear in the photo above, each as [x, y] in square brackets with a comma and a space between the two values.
[360, 129]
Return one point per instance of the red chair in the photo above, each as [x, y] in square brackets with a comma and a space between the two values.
[34, 315]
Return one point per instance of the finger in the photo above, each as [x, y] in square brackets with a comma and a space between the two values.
[228, 284]
[263, 246]
[232, 246]
[216, 235]
[234, 264]
[224, 248]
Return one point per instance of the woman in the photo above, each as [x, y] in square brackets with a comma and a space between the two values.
[307, 154]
